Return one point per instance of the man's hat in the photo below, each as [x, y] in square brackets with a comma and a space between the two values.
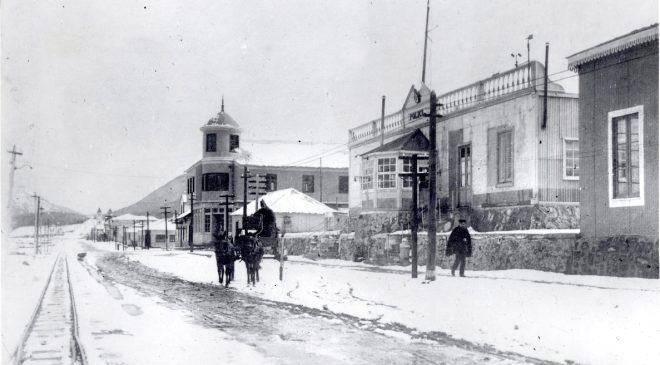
[462, 221]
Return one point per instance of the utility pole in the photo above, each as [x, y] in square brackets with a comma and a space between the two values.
[321, 178]
[227, 204]
[529, 72]
[13, 153]
[176, 227]
[426, 37]
[192, 216]
[415, 218]
[382, 121]
[257, 187]
[430, 265]
[245, 176]
[134, 238]
[164, 209]
[545, 87]
[37, 201]
[147, 240]
[142, 233]
[123, 238]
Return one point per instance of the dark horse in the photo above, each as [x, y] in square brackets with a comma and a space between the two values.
[251, 253]
[225, 255]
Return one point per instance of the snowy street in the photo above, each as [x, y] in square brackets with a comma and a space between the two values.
[138, 307]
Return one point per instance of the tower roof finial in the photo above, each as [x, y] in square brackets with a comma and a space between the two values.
[222, 108]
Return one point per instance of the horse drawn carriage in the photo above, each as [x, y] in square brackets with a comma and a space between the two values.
[257, 237]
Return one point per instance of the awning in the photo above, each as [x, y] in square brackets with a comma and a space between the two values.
[183, 215]
[415, 141]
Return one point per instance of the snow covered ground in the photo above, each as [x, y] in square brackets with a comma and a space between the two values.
[584, 319]
[117, 324]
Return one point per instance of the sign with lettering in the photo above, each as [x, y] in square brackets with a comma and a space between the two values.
[416, 114]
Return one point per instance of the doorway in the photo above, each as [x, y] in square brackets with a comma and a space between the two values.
[464, 175]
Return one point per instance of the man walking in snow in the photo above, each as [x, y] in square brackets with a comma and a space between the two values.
[460, 244]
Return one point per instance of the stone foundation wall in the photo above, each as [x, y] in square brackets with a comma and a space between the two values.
[525, 217]
[626, 256]
[631, 256]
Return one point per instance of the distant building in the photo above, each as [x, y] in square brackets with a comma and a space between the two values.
[619, 125]
[295, 212]
[500, 164]
[219, 173]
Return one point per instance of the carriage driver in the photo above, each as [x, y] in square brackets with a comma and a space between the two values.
[269, 225]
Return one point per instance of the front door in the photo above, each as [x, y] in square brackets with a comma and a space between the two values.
[464, 176]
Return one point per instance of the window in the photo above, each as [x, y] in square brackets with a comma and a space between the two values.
[207, 220]
[407, 168]
[233, 142]
[626, 157]
[211, 142]
[308, 183]
[343, 185]
[386, 173]
[172, 238]
[271, 182]
[191, 185]
[571, 159]
[505, 157]
[160, 238]
[215, 182]
[464, 166]
[367, 174]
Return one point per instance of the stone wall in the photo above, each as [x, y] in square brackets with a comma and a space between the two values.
[367, 225]
[626, 256]
[525, 217]
[631, 256]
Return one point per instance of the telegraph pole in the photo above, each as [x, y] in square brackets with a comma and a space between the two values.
[192, 216]
[123, 238]
[164, 209]
[430, 265]
[142, 233]
[147, 239]
[321, 179]
[227, 204]
[415, 219]
[258, 187]
[426, 37]
[245, 176]
[37, 201]
[13, 153]
[134, 238]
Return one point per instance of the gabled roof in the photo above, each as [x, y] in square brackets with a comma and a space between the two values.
[289, 201]
[422, 97]
[618, 44]
[413, 141]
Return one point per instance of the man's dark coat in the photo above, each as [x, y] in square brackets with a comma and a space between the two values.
[268, 220]
[459, 242]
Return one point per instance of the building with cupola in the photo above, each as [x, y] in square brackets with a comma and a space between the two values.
[217, 179]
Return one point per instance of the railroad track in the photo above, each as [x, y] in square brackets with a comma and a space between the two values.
[51, 336]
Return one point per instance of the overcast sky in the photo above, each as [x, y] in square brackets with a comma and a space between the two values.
[106, 98]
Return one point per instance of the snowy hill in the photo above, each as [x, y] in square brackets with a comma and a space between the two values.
[167, 195]
[23, 207]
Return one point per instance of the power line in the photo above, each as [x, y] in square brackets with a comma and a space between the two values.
[101, 173]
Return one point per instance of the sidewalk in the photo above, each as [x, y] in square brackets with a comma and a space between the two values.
[585, 319]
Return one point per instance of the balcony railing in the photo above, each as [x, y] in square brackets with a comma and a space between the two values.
[492, 88]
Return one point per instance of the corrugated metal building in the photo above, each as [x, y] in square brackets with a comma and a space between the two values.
[619, 122]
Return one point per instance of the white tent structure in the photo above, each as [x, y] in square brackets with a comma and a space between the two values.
[294, 211]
